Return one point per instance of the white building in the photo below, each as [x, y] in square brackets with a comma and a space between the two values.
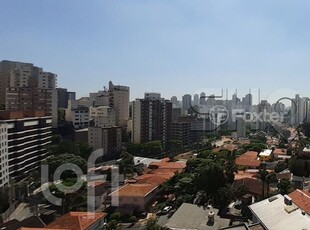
[78, 115]
[4, 159]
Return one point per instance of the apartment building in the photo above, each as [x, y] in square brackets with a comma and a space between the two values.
[77, 114]
[28, 135]
[63, 96]
[102, 116]
[107, 138]
[182, 131]
[4, 160]
[24, 86]
[152, 120]
[119, 100]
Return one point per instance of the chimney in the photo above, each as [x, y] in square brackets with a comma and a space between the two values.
[287, 200]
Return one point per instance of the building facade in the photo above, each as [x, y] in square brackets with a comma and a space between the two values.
[119, 100]
[152, 120]
[29, 134]
[4, 160]
[107, 138]
[102, 116]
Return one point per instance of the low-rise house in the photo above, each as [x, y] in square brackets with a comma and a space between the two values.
[139, 193]
[285, 174]
[280, 154]
[279, 212]
[99, 192]
[266, 155]
[79, 221]
[302, 199]
[248, 159]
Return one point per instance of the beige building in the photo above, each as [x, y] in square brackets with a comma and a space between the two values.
[119, 100]
[24, 86]
[102, 116]
[107, 138]
[77, 114]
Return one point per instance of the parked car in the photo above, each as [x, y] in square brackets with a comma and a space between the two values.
[166, 209]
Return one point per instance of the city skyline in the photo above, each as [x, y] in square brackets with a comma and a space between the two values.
[151, 46]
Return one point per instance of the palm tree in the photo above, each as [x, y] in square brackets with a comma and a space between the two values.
[230, 166]
[262, 176]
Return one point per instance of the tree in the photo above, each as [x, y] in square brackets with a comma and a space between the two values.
[262, 176]
[151, 224]
[4, 199]
[280, 166]
[126, 164]
[84, 149]
[285, 186]
[153, 148]
[55, 161]
[270, 178]
[230, 166]
[134, 149]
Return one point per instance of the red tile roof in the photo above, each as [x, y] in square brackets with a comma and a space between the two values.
[302, 199]
[137, 190]
[76, 221]
[249, 158]
[280, 151]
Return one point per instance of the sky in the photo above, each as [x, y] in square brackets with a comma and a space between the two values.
[173, 47]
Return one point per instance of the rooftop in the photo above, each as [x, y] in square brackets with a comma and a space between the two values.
[190, 216]
[248, 158]
[76, 220]
[265, 152]
[137, 189]
[302, 199]
[274, 214]
[280, 151]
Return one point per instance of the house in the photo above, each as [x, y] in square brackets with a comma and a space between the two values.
[134, 197]
[279, 212]
[79, 221]
[248, 159]
[285, 174]
[280, 154]
[266, 155]
[99, 191]
[302, 199]
[139, 193]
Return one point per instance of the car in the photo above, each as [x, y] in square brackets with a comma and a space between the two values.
[166, 209]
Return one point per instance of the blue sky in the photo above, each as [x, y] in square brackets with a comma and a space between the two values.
[172, 47]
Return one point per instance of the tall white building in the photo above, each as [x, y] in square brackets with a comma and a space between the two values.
[119, 100]
[4, 159]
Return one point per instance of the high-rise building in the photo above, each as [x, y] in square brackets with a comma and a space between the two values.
[28, 136]
[119, 100]
[4, 159]
[109, 139]
[24, 86]
[102, 116]
[63, 96]
[181, 131]
[186, 101]
[241, 128]
[152, 120]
